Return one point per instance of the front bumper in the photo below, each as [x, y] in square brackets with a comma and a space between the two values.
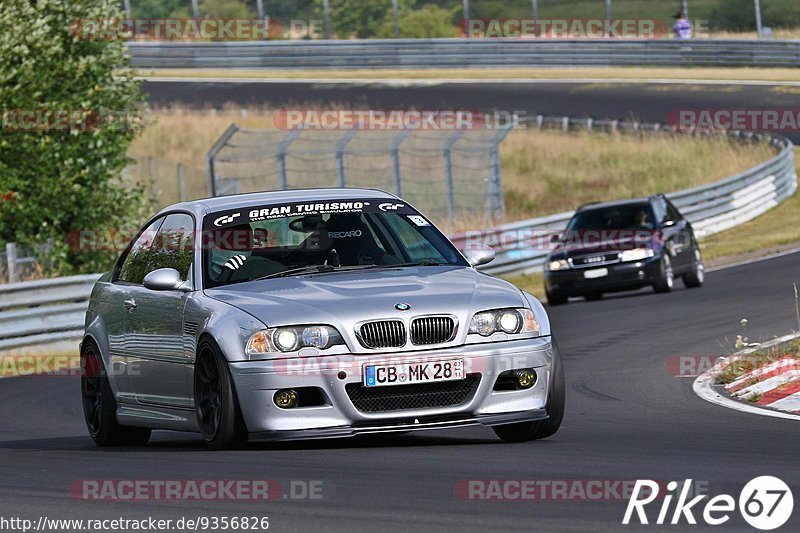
[621, 276]
[257, 382]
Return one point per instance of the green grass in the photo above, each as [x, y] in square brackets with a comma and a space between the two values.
[747, 363]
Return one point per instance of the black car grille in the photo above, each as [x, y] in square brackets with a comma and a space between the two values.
[383, 334]
[432, 329]
[597, 259]
[416, 396]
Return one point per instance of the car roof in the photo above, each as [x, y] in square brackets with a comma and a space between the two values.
[616, 203]
[234, 201]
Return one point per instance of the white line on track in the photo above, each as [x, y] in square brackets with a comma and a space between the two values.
[755, 260]
[410, 82]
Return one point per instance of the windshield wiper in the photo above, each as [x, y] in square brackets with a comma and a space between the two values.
[311, 269]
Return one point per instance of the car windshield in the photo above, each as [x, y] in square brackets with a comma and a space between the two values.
[622, 217]
[267, 241]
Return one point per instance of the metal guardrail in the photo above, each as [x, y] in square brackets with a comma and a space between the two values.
[40, 312]
[43, 311]
[710, 208]
[465, 53]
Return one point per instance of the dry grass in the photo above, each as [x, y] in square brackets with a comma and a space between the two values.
[747, 363]
[632, 73]
[545, 174]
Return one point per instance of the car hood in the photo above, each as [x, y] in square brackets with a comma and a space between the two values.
[343, 299]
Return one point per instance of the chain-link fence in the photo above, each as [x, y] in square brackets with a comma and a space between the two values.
[449, 174]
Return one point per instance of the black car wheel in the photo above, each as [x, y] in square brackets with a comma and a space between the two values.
[555, 298]
[697, 275]
[99, 406]
[540, 429]
[216, 404]
[665, 279]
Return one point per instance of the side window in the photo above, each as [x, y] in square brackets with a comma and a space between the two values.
[136, 264]
[174, 244]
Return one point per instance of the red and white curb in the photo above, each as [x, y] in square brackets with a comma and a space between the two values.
[778, 384]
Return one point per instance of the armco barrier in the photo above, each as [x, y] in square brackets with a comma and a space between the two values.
[44, 311]
[40, 312]
[465, 53]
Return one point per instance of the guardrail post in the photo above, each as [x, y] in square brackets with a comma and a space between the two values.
[448, 171]
[396, 177]
[289, 139]
[11, 259]
[212, 154]
[340, 146]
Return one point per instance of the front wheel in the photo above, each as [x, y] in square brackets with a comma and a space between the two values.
[99, 406]
[697, 276]
[216, 404]
[540, 429]
[665, 279]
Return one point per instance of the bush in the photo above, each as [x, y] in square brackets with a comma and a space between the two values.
[426, 23]
[65, 177]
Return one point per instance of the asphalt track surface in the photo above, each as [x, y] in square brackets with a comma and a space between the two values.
[627, 417]
[650, 102]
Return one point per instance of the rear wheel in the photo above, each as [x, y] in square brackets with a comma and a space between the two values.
[665, 279]
[216, 404]
[99, 406]
[555, 298]
[697, 275]
[540, 429]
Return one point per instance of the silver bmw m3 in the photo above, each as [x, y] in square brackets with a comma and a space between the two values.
[309, 314]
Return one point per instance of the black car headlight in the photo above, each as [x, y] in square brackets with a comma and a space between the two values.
[636, 254]
[511, 321]
[293, 338]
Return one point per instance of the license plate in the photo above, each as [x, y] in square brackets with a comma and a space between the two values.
[595, 273]
[413, 372]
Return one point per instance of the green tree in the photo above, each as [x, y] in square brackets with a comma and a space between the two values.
[426, 23]
[359, 18]
[65, 176]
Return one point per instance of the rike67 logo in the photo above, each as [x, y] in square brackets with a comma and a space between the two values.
[765, 503]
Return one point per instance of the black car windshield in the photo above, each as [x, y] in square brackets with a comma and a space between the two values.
[621, 217]
[268, 241]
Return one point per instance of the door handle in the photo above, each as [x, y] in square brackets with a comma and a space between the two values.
[129, 304]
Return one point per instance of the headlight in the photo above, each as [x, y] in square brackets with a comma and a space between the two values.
[290, 339]
[560, 264]
[510, 321]
[637, 254]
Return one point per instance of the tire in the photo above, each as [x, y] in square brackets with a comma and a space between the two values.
[555, 298]
[540, 429]
[99, 406]
[593, 296]
[665, 280]
[697, 276]
[216, 404]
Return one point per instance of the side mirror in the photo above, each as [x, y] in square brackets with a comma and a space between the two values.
[479, 254]
[164, 279]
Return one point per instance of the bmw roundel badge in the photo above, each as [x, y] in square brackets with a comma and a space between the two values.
[402, 307]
